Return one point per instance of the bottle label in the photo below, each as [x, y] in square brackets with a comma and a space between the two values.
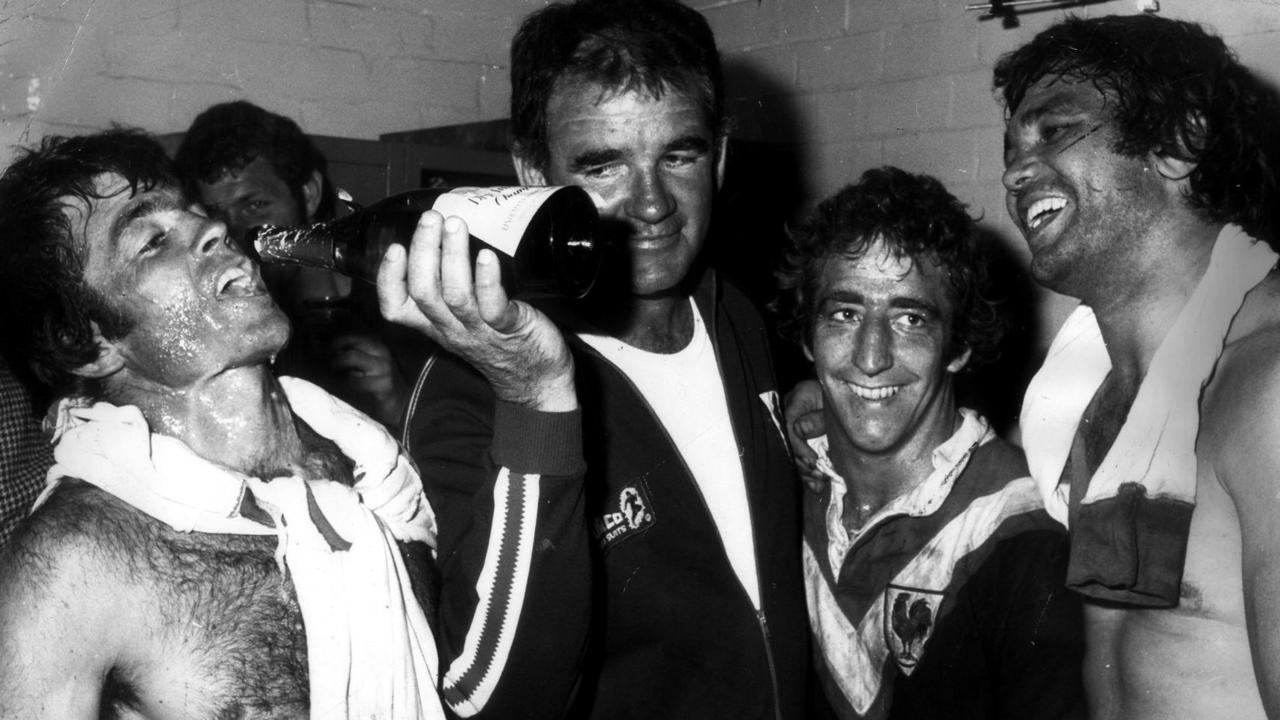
[496, 215]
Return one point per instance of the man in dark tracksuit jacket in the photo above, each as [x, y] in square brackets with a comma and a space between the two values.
[698, 601]
[676, 634]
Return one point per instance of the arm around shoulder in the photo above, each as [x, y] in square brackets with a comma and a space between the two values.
[1042, 631]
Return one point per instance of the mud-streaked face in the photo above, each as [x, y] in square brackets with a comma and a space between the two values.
[882, 348]
[1079, 203]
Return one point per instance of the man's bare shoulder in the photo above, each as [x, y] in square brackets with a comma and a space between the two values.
[80, 530]
[1240, 410]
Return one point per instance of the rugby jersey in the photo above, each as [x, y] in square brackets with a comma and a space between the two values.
[949, 601]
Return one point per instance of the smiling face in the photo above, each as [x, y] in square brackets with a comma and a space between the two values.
[882, 348]
[194, 303]
[1081, 206]
[653, 162]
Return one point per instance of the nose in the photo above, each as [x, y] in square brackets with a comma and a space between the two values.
[1022, 166]
[649, 200]
[212, 237]
[874, 353]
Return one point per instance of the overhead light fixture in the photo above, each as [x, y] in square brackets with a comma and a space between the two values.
[1006, 9]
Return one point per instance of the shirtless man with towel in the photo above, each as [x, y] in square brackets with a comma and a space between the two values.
[1141, 165]
[219, 542]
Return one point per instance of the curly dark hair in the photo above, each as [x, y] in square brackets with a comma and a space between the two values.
[228, 136]
[48, 309]
[1177, 90]
[916, 218]
[655, 46]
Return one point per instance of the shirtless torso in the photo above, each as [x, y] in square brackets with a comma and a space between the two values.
[183, 625]
[1195, 661]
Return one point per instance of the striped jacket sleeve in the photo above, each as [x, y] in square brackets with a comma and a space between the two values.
[506, 486]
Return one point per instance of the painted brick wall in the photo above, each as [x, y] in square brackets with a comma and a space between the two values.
[355, 68]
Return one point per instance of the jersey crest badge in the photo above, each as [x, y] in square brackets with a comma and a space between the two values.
[626, 515]
[909, 618]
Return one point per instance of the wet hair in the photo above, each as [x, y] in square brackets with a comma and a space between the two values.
[1174, 89]
[48, 309]
[650, 46]
[916, 218]
[228, 136]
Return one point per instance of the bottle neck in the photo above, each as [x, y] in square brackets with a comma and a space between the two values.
[310, 246]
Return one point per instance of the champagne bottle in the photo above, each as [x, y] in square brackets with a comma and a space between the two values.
[544, 236]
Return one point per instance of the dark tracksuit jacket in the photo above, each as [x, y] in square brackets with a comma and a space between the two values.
[511, 552]
[674, 634]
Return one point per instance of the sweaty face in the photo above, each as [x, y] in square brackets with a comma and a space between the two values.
[653, 161]
[1079, 204]
[196, 304]
[254, 195]
[881, 340]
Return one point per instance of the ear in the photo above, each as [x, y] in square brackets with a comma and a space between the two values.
[808, 351]
[960, 361]
[1175, 169]
[109, 361]
[722, 157]
[311, 194]
[1172, 169]
[526, 172]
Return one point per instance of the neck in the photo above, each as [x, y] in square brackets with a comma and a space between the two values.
[1136, 312]
[239, 418]
[877, 478]
[657, 324]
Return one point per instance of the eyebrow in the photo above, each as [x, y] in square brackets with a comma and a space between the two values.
[592, 158]
[897, 302]
[1058, 103]
[151, 204]
[604, 156]
[689, 143]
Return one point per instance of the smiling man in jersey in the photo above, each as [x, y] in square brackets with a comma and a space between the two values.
[933, 573]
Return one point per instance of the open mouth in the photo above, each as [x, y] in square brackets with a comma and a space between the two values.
[236, 282]
[1043, 210]
[883, 392]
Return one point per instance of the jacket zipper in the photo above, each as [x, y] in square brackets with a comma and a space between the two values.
[773, 667]
[762, 621]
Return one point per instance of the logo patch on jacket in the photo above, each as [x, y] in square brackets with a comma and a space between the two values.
[627, 514]
[909, 618]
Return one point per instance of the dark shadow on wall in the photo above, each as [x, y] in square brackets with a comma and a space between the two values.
[763, 193]
[996, 389]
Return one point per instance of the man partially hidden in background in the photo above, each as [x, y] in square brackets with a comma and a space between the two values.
[933, 572]
[249, 166]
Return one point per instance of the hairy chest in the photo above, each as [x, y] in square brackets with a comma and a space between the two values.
[227, 638]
